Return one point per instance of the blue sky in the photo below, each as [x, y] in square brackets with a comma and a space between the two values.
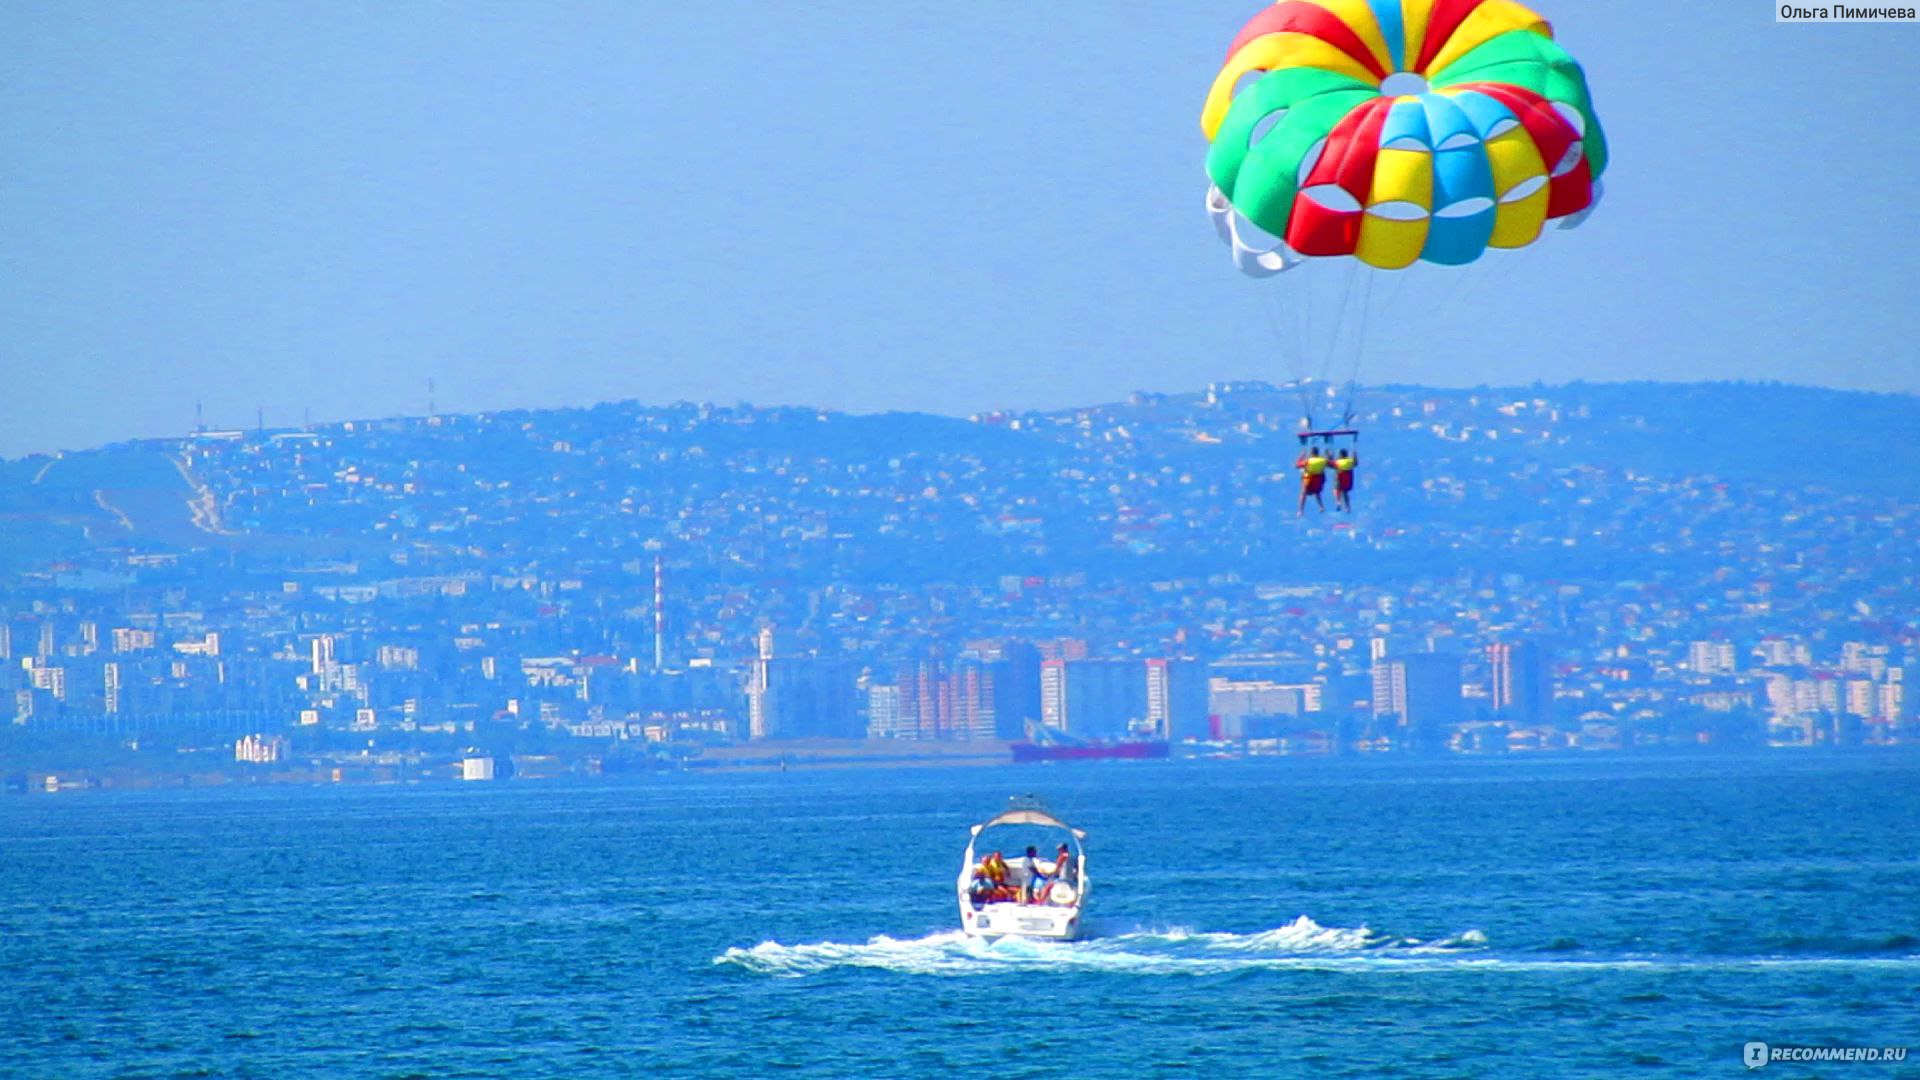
[318, 207]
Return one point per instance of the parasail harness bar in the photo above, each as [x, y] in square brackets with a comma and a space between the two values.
[1352, 433]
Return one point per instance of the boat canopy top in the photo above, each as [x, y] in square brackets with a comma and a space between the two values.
[1029, 816]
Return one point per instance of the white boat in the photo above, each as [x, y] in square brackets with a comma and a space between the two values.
[1027, 895]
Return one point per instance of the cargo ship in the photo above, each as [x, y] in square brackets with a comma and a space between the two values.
[1051, 744]
[1090, 751]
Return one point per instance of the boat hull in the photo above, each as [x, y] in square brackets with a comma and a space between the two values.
[1022, 920]
[1125, 751]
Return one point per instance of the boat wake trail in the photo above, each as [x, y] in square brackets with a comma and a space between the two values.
[1299, 945]
[1302, 943]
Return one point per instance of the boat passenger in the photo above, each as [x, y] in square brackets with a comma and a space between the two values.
[1036, 881]
[995, 868]
[980, 890]
[990, 879]
[1063, 868]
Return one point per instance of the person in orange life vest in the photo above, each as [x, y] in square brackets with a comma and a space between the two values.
[1313, 477]
[1343, 467]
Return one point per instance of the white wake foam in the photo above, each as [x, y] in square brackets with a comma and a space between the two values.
[1301, 943]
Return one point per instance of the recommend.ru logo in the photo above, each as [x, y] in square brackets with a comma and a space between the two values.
[1758, 1054]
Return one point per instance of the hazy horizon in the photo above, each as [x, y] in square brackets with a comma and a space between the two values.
[317, 421]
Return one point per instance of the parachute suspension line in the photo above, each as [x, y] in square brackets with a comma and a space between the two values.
[1359, 348]
[1340, 337]
[1342, 340]
[1303, 370]
[1287, 332]
[1302, 303]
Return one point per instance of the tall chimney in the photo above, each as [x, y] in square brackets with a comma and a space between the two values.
[659, 613]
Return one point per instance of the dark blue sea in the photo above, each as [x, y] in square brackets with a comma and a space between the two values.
[1452, 918]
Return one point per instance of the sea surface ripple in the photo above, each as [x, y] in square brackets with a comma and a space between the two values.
[1559, 917]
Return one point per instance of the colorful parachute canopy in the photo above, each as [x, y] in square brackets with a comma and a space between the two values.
[1396, 130]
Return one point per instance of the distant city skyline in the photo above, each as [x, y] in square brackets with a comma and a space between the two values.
[280, 217]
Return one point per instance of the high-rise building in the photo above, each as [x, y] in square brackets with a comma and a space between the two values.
[1015, 670]
[110, 680]
[930, 699]
[926, 705]
[760, 719]
[809, 697]
[883, 712]
[321, 653]
[1863, 698]
[1827, 689]
[1095, 698]
[1773, 652]
[659, 613]
[1053, 693]
[128, 639]
[1711, 657]
[1522, 678]
[1177, 704]
[802, 696]
[398, 658]
[974, 700]
[1244, 707]
[51, 679]
[1853, 657]
[1422, 690]
[1389, 690]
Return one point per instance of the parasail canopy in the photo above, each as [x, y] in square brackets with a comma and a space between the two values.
[1396, 131]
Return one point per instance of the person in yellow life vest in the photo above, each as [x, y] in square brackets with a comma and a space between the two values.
[1343, 466]
[980, 889]
[1313, 477]
[994, 868]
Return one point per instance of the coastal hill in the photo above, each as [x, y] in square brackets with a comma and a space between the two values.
[1577, 479]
